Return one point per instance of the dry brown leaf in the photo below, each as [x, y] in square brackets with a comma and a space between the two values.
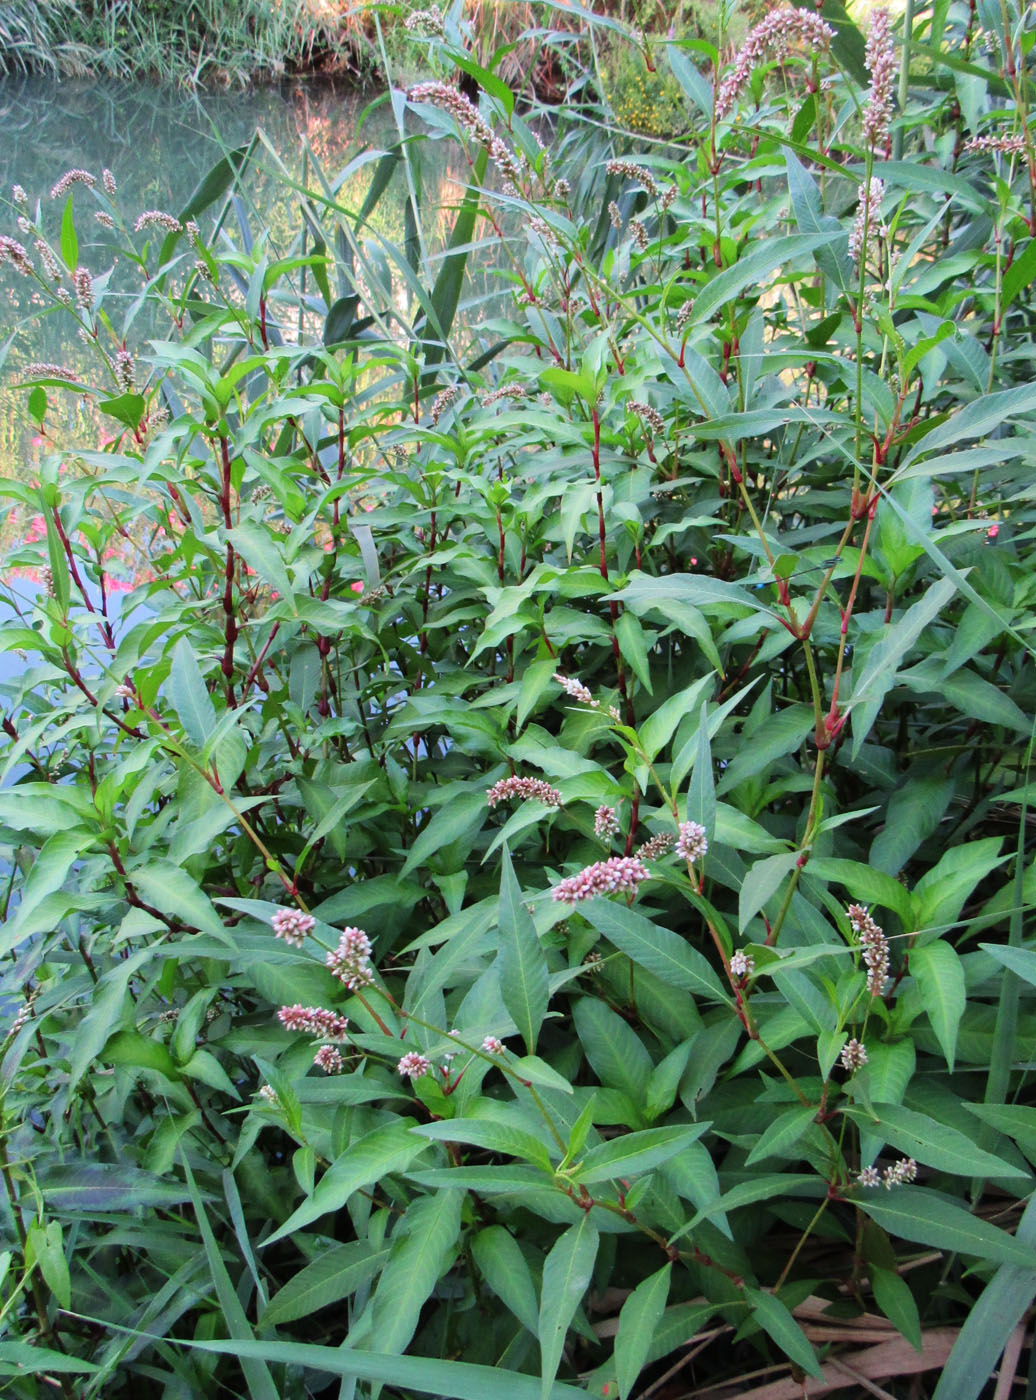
[875, 1363]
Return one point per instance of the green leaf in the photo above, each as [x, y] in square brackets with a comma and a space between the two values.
[44, 1246]
[878, 670]
[389, 1148]
[977, 419]
[777, 1322]
[633, 644]
[655, 948]
[170, 889]
[783, 1133]
[258, 550]
[934, 1143]
[940, 979]
[502, 1265]
[69, 241]
[990, 1322]
[88, 1188]
[1021, 961]
[213, 183]
[754, 269]
[701, 796]
[864, 885]
[566, 1276]
[458, 1380]
[29, 1358]
[522, 962]
[614, 1050]
[760, 885]
[189, 696]
[257, 1373]
[941, 892]
[126, 408]
[537, 1071]
[491, 1135]
[925, 1217]
[429, 1229]
[459, 817]
[893, 1296]
[640, 1316]
[1016, 1121]
[636, 1153]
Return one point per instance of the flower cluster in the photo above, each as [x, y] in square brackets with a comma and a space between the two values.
[692, 843]
[606, 823]
[880, 58]
[157, 218]
[314, 1020]
[492, 1045]
[70, 178]
[875, 948]
[640, 235]
[12, 251]
[470, 119]
[83, 284]
[1006, 145]
[350, 961]
[656, 846]
[741, 964]
[772, 37]
[632, 171]
[292, 925]
[329, 1059]
[576, 690]
[867, 227]
[108, 181]
[854, 1055]
[48, 261]
[903, 1171]
[43, 369]
[413, 1065]
[443, 399]
[619, 875]
[125, 370]
[524, 788]
[505, 391]
[426, 22]
[649, 416]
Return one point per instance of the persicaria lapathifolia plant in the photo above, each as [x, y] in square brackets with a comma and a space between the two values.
[516, 775]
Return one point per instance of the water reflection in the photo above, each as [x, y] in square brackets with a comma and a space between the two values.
[159, 143]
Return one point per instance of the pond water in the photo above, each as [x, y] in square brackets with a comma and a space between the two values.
[159, 143]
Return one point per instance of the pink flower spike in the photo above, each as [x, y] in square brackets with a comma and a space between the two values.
[413, 1065]
[619, 875]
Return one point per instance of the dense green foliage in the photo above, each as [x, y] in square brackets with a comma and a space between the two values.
[743, 453]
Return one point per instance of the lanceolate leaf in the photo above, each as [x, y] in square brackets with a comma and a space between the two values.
[386, 1149]
[459, 1380]
[189, 696]
[429, 1229]
[662, 952]
[503, 1266]
[637, 1153]
[929, 1218]
[566, 1276]
[775, 1319]
[523, 964]
[640, 1316]
[334, 1274]
[940, 979]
